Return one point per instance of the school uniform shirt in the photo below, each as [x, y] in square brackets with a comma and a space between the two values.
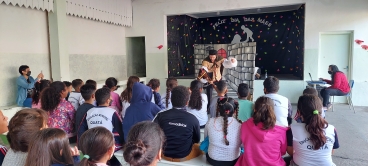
[181, 129]
[201, 114]
[82, 110]
[156, 98]
[74, 98]
[282, 108]
[163, 100]
[304, 153]
[245, 110]
[13, 158]
[141, 108]
[217, 148]
[102, 116]
[63, 117]
[262, 147]
[3, 151]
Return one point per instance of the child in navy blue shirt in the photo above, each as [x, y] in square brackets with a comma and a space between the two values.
[156, 97]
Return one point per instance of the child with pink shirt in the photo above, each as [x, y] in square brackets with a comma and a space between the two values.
[112, 84]
[264, 140]
[36, 97]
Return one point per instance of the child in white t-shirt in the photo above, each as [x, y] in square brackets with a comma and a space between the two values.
[198, 103]
[75, 95]
[223, 133]
[171, 83]
[311, 142]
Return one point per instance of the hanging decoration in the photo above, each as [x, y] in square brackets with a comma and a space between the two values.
[44, 5]
[118, 12]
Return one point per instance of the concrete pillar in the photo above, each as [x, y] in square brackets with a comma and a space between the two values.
[58, 42]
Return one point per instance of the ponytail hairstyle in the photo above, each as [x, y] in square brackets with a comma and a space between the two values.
[39, 86]
[51, 96]
[49, 146]
[154, 83]
[195, 101]
[310, 109]
[170, 84]
[94, 144]
[126, 95]
[144, 144]
[227, 107]
[264, 113]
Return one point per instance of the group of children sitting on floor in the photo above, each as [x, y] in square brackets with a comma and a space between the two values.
[149, 127]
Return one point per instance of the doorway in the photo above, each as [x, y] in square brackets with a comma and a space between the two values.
[136, 56]
[335, 48]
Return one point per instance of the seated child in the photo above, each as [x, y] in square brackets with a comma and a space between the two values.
[181, 128]
[245, 106]
[3, 129]
[198, 103]
[144, 144]
[102, 149]
[51, 147]
[283, 109]
[103, 116]
[36, 97]
[319, 138]
[156, 97]
[141, 108]
[75, 96]
[263, 137]
[88, 94]
[221, 92]
[126, 95]
[224, 134]
[61, 112]
[112, 84]
[170, 84]
[91, 82]
[21, 127]
[69, 88]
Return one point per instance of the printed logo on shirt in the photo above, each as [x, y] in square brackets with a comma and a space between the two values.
[100, 115]
[178, 124]
[311, 147]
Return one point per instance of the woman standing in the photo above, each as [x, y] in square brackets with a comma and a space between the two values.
[25, 84]
[339, 86]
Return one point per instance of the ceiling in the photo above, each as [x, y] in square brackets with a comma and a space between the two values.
[273, 9]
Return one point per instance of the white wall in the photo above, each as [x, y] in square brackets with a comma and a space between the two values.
[321, 16]
[23, 41]
[96, 50]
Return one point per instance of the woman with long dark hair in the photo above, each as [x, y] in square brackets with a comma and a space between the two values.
[314, 139]
[61, 112]
[126, 95]
[198, 102]
[339, 85]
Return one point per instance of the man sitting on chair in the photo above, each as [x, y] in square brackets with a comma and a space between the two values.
[214, 65]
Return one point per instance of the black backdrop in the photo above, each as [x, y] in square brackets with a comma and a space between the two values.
[279, 37]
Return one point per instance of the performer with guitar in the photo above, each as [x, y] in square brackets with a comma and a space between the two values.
[211, 71]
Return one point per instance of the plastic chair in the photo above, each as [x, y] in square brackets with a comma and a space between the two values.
[348, 97]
